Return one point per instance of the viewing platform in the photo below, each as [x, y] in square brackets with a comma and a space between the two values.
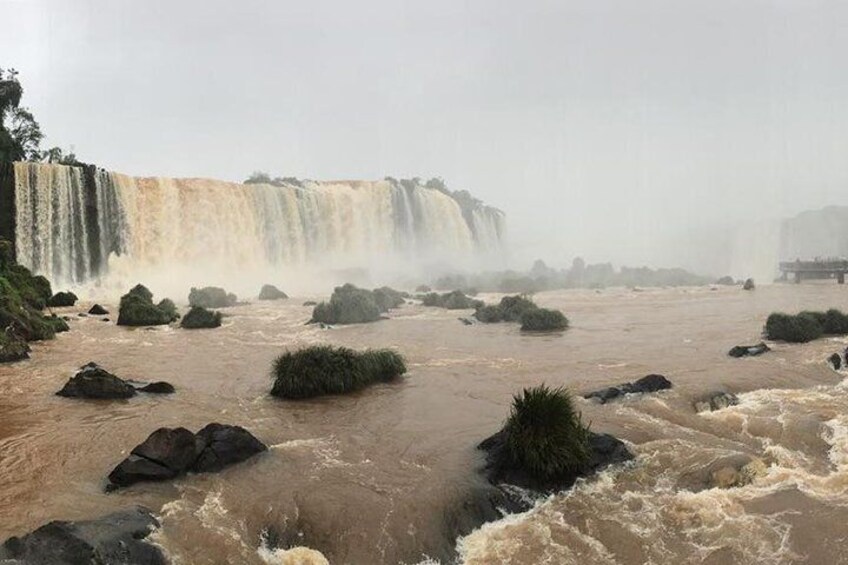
[816, 269]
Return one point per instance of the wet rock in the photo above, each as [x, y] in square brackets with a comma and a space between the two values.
[466, 321]
[61, 299]
[13, 347]
[835, 361]
[82, 315]
[271, 292]
[649, 383]
[93, 381]
[211, 297]
[169, 452]
[159, 387]
[749, 284]
[716, 401]
[731, 476]
[114, 539]
[749, 350]
[98, 310]
[310, 303]
[224, 445]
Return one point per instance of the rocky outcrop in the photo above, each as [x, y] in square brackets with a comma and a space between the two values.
[649, 383]
[62, 299]
[169, 452]
[211, 297]
[748, 350]
[716, 401]
[271, 292]
[200, 318]
[93, 381]
[749, 284]
[137, 309]
[114, 539]
[604, 450]
[13, 347]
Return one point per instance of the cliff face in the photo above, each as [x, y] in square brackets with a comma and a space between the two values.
[7, 201]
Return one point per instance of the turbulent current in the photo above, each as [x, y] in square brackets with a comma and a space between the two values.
[81, 225]
[377, 476]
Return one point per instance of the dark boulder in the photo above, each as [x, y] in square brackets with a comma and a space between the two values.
[165, 454]
[749, 284]
[716, 401]
[115, 539]
[271, 292]
[649, 383]
[93, 381]
[466, 321]
[98, 310]
[224, 445]
[13, 347]
[61, 299]
[748, 350]
[200, 318]
[169, 452]
[159, 387]
[211, 297]
[835, 361]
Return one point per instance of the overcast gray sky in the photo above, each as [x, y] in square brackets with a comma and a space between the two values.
[602, 128]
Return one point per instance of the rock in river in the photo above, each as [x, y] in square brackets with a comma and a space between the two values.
[649, 383]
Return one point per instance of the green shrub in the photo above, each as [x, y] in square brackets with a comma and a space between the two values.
[199, 317]
[20, 316]
[545, 435]
[58, 324]
[795, 329]
[348, 305]
[321, 369]
[137, 309]
[543, 319]
[211, 297]
[34, 290]
[513, 307]
[835, 322]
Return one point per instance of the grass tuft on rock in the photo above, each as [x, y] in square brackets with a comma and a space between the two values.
[323, 370]
[543, 320]
[545, 435]
[350, 304]
[454, 300]
[137, 309]
[800, 328]
[199, 317]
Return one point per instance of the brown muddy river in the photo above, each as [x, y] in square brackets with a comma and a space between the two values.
[372, 477]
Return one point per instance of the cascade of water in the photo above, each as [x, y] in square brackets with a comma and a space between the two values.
[72, 223]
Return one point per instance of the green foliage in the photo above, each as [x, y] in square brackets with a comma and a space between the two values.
[454, 300]
[835, 322]
[545, 435]
[543, 319]
[58, 324]
[22, 296]
[199, 317]
[350, 305]
[801, 328]
[35, 290]
[20, 317]
[260, 177]
[137, 309]
[12, 347]
[322, 370]
[211, 297]
[509, 309]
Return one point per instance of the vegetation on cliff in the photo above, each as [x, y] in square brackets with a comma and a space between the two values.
[22, 297]
[322, 370]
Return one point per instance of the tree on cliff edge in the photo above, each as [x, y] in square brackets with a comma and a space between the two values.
[20, 134]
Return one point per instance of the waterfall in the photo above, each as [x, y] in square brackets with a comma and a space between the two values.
[82, 225]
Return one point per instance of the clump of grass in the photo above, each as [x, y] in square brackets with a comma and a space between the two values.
[545, 435]
[542, 320]
[800, 328]
[454, 300]
[199, 317]
[322, 369]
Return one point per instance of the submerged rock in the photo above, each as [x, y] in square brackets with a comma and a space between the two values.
[98, 310]
[835, 361]
[93, 381]
[716, 401]
[466, 321]
[271, 292]
[748, 350]
[158, 387]
[114, 539]
[649, 383]
[169, 452]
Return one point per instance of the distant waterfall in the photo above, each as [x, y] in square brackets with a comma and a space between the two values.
[76, 224]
